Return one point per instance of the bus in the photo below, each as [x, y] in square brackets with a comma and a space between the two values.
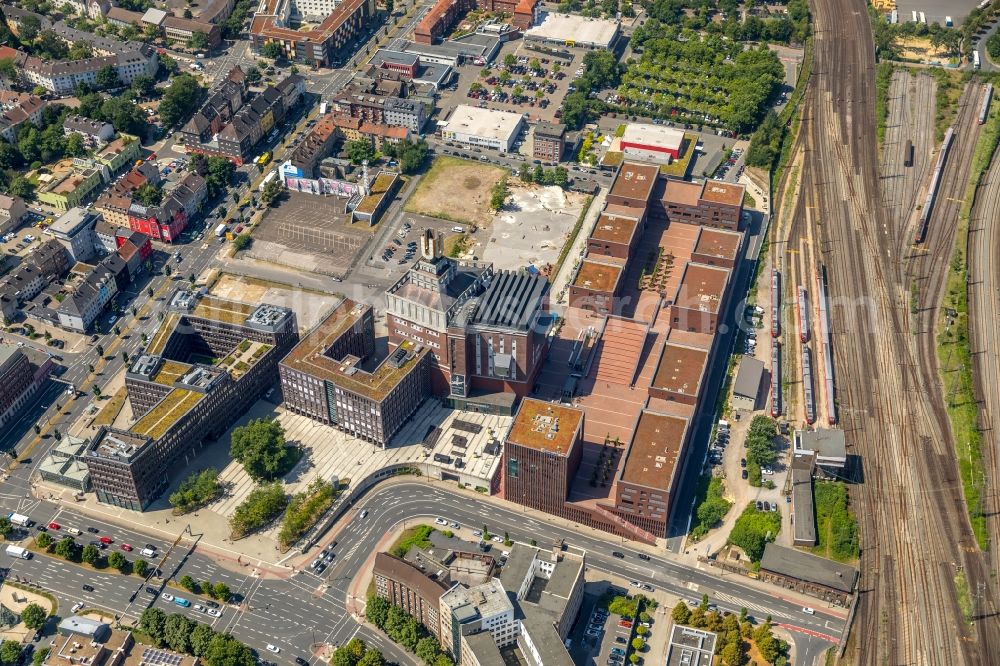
[975, 60]
[264, 159]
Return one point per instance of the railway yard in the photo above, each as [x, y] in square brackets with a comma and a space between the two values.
[859, 221]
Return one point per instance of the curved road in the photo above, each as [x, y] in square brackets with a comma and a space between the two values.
[306, 609]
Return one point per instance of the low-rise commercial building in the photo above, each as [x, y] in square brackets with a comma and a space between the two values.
[179, 30]
[482, 128]
[652, 143]
[70, 183]
[808, 574]
[558, 29]
[122, 152]
[825, 450]
[180, 401]
[746, 387]
[163, 222]
[690, 647]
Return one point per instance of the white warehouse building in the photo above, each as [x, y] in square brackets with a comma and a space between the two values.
[484, 128]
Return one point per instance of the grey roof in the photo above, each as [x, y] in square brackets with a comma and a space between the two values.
[690, 647]
[486, 650]
[748, 377]
[550, 129]
[84, 626]
[802, 506]
[827, 443]
[810, 568]
[8, 352]
[517, 567]
[511, 300]
[538, 625]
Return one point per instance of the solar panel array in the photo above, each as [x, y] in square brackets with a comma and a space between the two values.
[154, 657]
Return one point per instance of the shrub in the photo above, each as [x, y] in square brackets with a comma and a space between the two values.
[305, 509]
[261, 506]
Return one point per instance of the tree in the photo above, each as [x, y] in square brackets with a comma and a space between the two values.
[44, 540]
[681, 613]
[641, 630]
[147, 194]
[10, 652]
[196, 491]
[91, 554]
[412, 155]
[51, 46]
[535, 65]
[499, 194]
[272, 192]
[152, 623]
[33, 616]
[188, 583]
[374, 657]
[180, 100]
[117, 561]
[107, 77]
[140, 568]
[509, 60]
[22, 187]
[377, 609]
[428, 649]
[74, 145]
[124, 355]
[143, 85]
[260, 447]
[638, 644]
[177, 632]
[201, 639]
[261, 506]
[29, 27]
[6, 527]
[224, 650]
[66, 548]
[359, 150]
[8, 70]
[253, 75]
[198, 41]
[732, 653]
[272, 50]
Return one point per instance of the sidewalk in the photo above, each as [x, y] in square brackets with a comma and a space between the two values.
[560, 281]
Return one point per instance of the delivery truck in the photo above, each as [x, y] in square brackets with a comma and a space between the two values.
[19, 519]
[17, 551]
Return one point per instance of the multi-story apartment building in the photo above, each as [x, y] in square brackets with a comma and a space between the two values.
[12, 211]
[229, 127]
[180, 401]
[320, 46]
[19, 380]
[406, 586]
[43, 264]
[179, 30]
[18, 109]
[331, 376]
[380, 109]
[487, 331]
[78, 311]
[443, 15]
[94, 132]
[549, 142]
[163, 222]
[75, 230]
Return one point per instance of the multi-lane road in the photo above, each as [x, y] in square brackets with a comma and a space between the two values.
[297, 612]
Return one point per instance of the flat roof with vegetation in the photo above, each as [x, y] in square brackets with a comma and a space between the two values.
[159, 341]
[166, 413]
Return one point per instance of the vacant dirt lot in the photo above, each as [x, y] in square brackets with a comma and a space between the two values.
[457, 190]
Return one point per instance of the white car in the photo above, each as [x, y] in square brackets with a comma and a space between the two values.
[477, 533]
[440, 521]
[273, 648]
[167, 597]
[497, 539]
[456, 526]
[200, 608]
[77, 606]
[635, 583]
[214, 612]
[766, 470]
[810, 611]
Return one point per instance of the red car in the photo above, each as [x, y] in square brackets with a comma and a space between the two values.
[106, 540]
[127, 548]
[53, 526]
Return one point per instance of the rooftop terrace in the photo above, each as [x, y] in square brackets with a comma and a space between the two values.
[377, 384]
[545, 426]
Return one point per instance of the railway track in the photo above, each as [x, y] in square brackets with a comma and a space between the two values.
[914, 529]
[984, 332]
